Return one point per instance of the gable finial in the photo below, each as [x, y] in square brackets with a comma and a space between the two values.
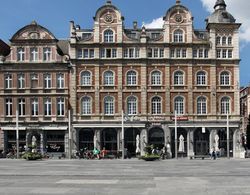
[178, 2]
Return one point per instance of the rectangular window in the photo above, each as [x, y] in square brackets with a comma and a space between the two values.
[33, 54]
[33, 80]
[224, 53]
[200, 53]
[172, 52]
[47, 107]
[60, 106]
[20, 81]
[150, 53]
[8, 81]
[34, 107]
[194, 53]
[8, 107]
[178, 53]
[218, 53]
[161, 53]
[184, 53]
[79, 54]
[114, 51]
[131, 53]
[46, 54]
[137, 52]
[47, 81]
[155, 52]
[103, 52]
[230, 54]
[85, 53]
[206, 53]
[60, 81]
[125, 53]
[20, 54]
[91, 53]
[21, 106]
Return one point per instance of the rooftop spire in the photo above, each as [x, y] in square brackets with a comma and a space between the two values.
[220, 4]
[108, 2]
[178, 2]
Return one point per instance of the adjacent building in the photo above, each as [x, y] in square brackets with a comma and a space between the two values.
[35, 83]
[149, 74]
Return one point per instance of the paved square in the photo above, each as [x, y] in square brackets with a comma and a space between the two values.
[130, 177]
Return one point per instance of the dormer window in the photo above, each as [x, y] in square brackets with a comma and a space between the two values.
[108, 36]
[178, 36]
[20, 54]
[33, 54]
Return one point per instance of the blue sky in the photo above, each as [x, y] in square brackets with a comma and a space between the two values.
[56, 14]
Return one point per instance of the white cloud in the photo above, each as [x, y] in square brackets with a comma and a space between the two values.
[156, 23]
[240, 10]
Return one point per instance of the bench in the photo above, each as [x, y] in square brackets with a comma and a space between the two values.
[202, 157]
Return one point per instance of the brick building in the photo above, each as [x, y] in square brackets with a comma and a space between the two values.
[150, 73]
[147, 73]
[35, 82]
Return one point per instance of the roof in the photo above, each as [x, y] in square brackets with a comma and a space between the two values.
[4, 48]
[63, 46]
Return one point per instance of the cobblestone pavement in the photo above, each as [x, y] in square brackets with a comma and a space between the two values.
[130, 177]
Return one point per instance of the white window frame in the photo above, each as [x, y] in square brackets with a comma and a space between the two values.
[201, 105]
[86, 105]
[179, 105]
[131, 78]
[109, 106]
[47, 107]
[60, 80]
[201, 78]
[33, 54]
[47, 81]
[85, 78]
[34, 107]
[178, 78]
[108, 77]
[60, 107]
[132, 105]
[156, 105]
[108, 36]
[225, 104]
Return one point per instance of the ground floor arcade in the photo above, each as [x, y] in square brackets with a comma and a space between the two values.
[196, 139]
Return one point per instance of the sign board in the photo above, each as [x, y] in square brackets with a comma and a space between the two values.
[203, 130]
[181, 118]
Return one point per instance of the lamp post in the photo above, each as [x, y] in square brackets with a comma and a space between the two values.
[123, 135]
[228, 156]
[17, 135]
[70, 136]
[175, 133]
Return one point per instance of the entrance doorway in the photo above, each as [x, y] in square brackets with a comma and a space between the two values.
[130, 140]
[86, 139]
[109, 139]
[156, 137]
[223, 142]
[183, 132]
[201, 142]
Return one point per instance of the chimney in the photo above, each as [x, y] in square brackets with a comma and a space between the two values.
[135, 25]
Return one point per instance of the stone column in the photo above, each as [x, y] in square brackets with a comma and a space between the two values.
[144, 140]
[98, 137]
[211, 138]
[42, 141]
[190, 142]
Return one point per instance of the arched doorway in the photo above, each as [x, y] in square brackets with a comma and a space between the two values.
[201, 142]
[223, 142]
[183, 132]
[130, 139]
[109, 139]
[156, 137]
[86, 139]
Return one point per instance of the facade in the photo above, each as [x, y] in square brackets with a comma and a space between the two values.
[149, 74]
[34, 81]
[245, 113]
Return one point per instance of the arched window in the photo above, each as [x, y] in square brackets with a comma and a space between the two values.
[225, 105]
[218, 40]
[108, 36]
[178, 78]
[108, 78]
[108, 105]
[179, 105]
[86, 105]
[229, 40]
[224, 40]
[131, 78]
[224, 78]
[156, 78]
[85, 78]
[201, 105]
[132, 105]
[178, 36]
[156, 105]
[201, 78]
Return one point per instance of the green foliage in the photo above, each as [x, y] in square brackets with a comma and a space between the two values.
[148, 154]
[32, 156]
